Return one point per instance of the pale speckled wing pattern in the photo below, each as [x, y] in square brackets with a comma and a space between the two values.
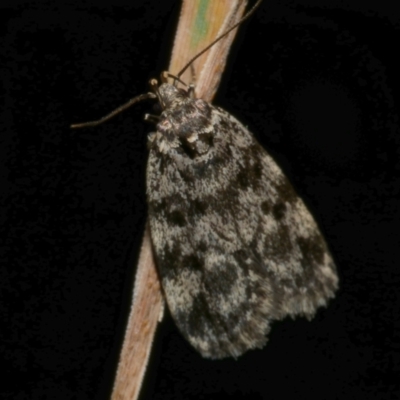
[235, 246]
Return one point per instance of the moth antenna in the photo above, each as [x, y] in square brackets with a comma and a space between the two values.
[164, 77]
[251, 11]
[193, 72]
[118, 110]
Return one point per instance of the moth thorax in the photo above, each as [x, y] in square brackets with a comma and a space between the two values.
[170, 96]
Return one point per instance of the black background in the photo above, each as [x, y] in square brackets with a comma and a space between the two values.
[318, 85]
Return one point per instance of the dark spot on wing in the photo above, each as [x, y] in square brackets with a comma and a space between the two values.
[250, 173]
[202, 246]
[243, 179]
[279, 210]
[312, 250]
[286, 192]
[157, 207]
[193, 262]
[187, 176]
[278, 246]
[199, 318]
[257, 170]
[169, 262]
[225, 124]
[176, 218]
[265, 207]
[220, 279]
[199, 206]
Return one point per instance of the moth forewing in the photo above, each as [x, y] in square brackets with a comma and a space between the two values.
[235, 246]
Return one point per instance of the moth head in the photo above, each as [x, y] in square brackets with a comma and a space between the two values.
[169, 96]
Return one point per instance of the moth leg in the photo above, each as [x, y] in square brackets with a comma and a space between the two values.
[150, 139]
[152, 118]
[191, 91]
[162, 310]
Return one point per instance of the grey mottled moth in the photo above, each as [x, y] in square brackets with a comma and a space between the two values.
[235, 247]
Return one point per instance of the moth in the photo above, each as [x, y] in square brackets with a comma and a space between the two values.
[235, 246]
